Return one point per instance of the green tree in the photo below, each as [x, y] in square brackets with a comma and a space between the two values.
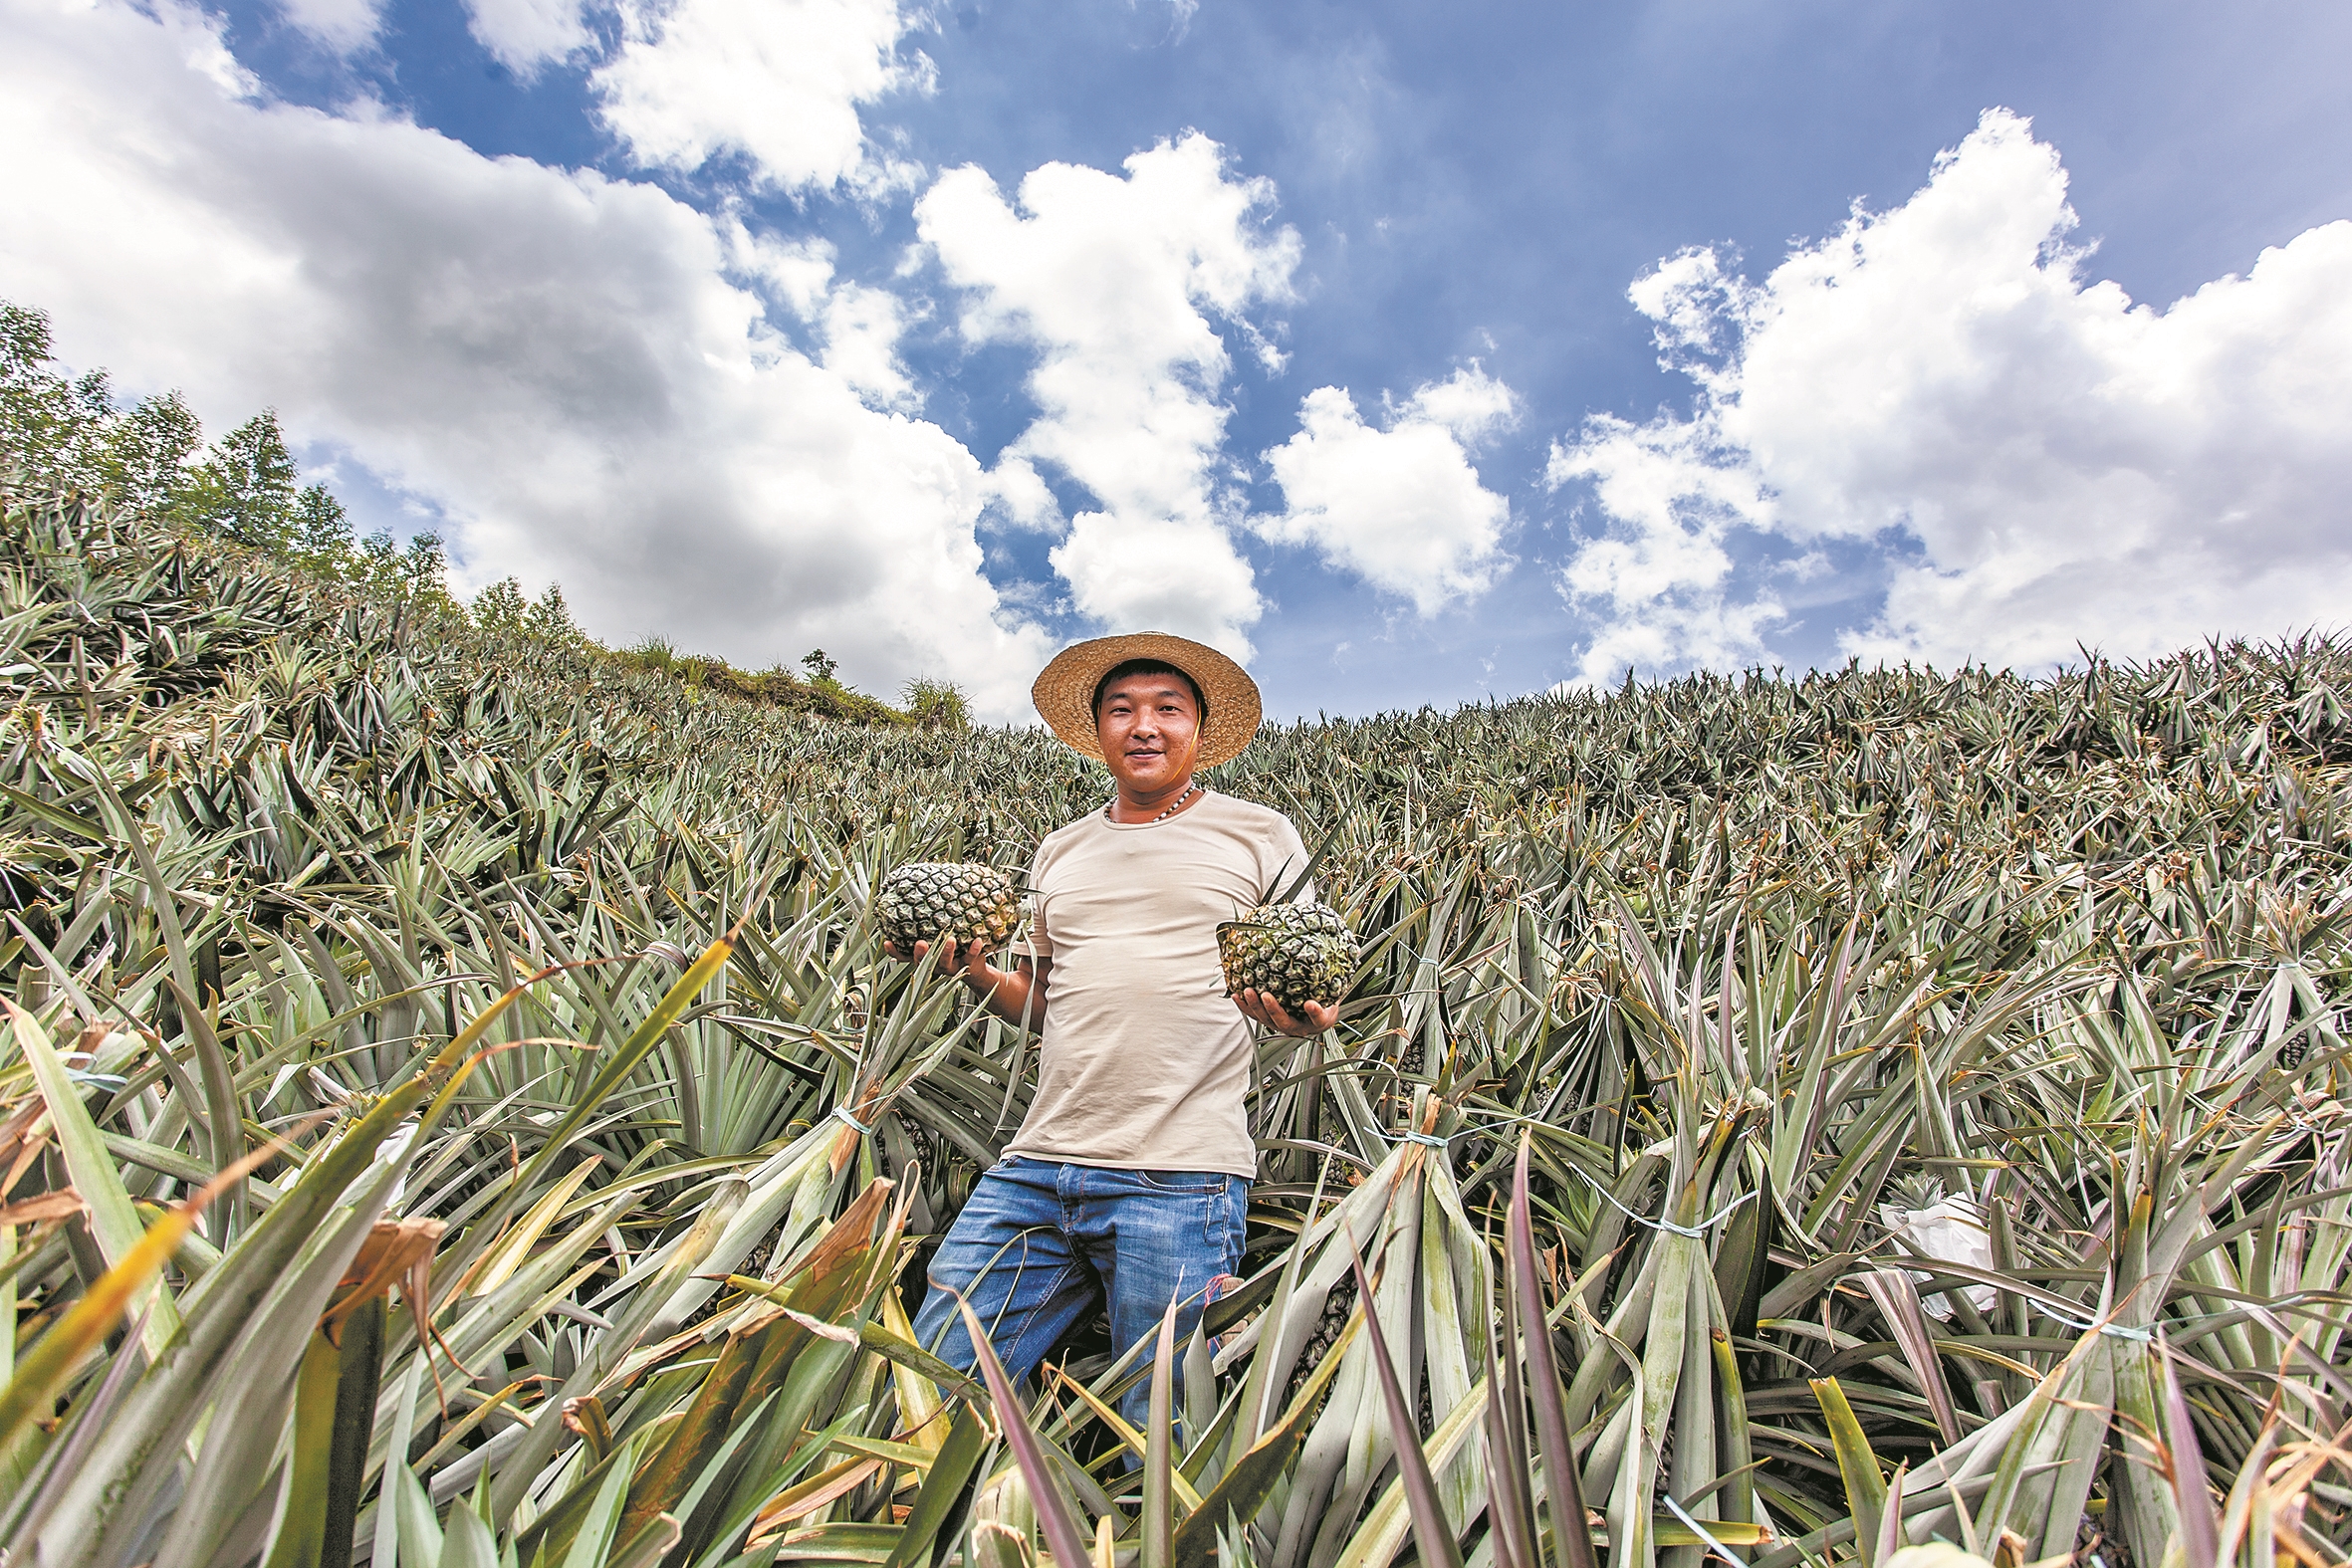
[551, 618]
[245, 488]
[322, 530]
[424, 569]
[501, 607]
[52, 430]
[60, 434]
[146, 455]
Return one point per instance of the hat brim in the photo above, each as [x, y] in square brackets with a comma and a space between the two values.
[1064, 690]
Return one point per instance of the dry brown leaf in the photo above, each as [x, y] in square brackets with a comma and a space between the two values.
[810, 1496]
[40, 1208]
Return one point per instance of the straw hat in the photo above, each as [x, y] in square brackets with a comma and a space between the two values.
[1064, 692]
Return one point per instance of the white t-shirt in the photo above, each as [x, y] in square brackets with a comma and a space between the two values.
[1145, 1060]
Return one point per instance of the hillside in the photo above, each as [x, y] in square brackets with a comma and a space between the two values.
[2031, 983]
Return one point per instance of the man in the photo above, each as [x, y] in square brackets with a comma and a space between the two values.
[1129, 1178]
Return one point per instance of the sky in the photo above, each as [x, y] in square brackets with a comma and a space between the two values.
[1412, 353]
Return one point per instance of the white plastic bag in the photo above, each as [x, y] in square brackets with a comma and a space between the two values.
[1949, 1230]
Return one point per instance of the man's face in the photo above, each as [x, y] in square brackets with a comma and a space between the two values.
[1150, 728]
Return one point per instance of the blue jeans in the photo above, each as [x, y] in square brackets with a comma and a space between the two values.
[1041, 1243]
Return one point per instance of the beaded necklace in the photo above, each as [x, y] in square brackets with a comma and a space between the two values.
[1174, 806]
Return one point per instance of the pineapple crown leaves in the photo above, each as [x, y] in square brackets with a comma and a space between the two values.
[1290, 892]
[1017, 875]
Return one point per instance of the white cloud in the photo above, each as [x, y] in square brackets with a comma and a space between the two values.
[524, 35]
[1661, 581]
[861, 330]
[1114, 281]
[1472, 404]
[858, 326]
[778, 82]
[345, 26]
[2063, 465]
[557, 361]
[796, 273]
[1401, 507]
[1019, 497]
[1180, 574]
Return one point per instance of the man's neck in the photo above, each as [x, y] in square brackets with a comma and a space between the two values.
[1134, 806]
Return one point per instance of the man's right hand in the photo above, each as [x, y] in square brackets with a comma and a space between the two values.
[1017, 996]
[1261, 1008]
[970, 960]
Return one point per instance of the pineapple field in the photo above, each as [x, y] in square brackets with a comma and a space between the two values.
[456, 1110]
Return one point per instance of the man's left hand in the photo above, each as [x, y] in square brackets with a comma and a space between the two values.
[1311, 1018]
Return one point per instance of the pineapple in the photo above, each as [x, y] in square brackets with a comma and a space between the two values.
[929, 899]
[1339, 1306]
[1293, 953]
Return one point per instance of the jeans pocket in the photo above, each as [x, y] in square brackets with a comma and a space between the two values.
[1191, 1183]
[1229, 1221]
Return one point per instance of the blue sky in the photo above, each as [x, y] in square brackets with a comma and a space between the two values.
[1422, 354]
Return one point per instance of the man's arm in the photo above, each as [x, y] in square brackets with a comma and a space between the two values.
[1017, 994]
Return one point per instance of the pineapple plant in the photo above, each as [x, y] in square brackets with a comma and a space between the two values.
[1716, 914]
[928, 899]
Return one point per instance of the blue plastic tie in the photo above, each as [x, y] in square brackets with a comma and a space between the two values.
[1697, 1529]
[2141, 1335]
[1697, 1232]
